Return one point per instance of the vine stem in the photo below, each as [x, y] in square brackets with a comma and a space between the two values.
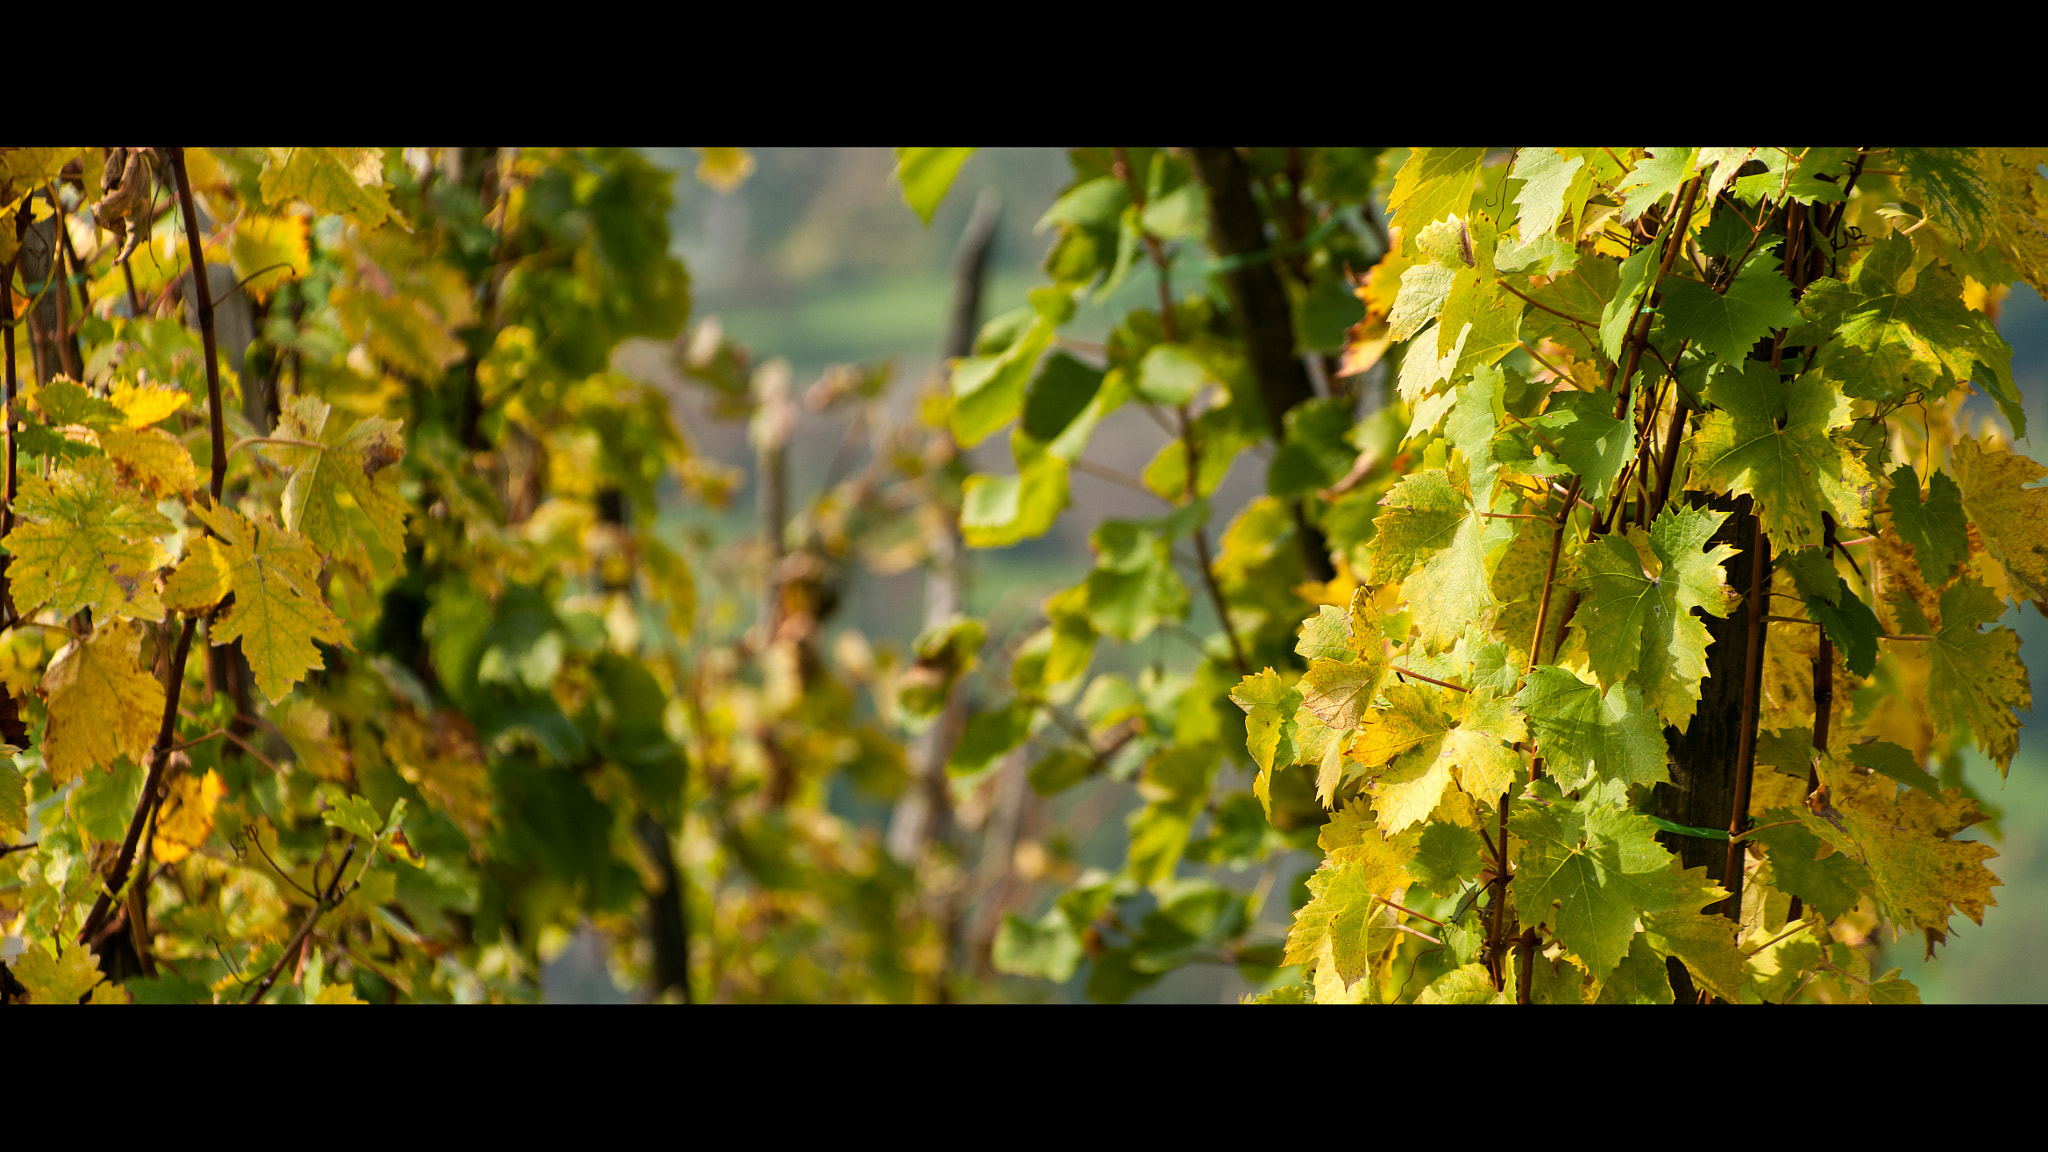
[325, 901]
[160, 753]
[1745, 753]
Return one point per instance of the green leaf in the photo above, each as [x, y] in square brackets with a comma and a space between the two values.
[1432, 184]
[1445, 856]
[926, 175]
[1935, 528]
[998, 511]
[1636, 619]
[1588, 873]
[1546, 174]
[988, 391]
[1580, 434]
[1831, 886]
[1657, 175]
[1171, 375]
[1774, 440]
[1727, 325]
[1640, 978]
[989, 735]
[1895, 330]
[1638, 272]
[1580, 730]
[1705, 944]
[344, 498]
[13, 798]
[1047, 949]
[1469, 984]
[1888, 759]
[1339, 693]
[340, 181]
[1059, 393]
[354, 815]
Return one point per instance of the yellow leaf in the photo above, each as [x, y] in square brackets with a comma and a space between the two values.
[146, 404]
[103, 704]
[279, 610]
[444, 762]
[110, 994]
[341, 181]
[85, 541]
[724, 168]
[338, 994]
[153, 458]
[261, 243]
[26, 170]
[55, 979]
[308, 730]
[2011, 518]
[186, 819]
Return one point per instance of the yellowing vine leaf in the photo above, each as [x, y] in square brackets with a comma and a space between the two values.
[1977, 680]
[338, 496]
[341, 181]
[85, 541]
[56, 979]
[103, 704]
[2011, 518]
[186, 817]
[278, 611]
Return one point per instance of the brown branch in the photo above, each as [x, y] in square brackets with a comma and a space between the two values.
[203, 292]
[1745, 753]
[1427, 679]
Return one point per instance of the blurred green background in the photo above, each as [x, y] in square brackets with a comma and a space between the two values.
[817, 259]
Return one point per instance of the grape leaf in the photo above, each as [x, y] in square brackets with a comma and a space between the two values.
[153, 458]
[1589, 872]
[13, 794]
[1430, 524]
[278, 612]
[1470, 984]
[1935, 528]
[1976, 679]
[1434, 183]
[1546, 175]
[1638, 272]
[1830, 885]
[1921, 875]
[1580, 433]
[1636, 619]
[85, 541]
[1705, 944]
[56, 979]
[1726, 325]
[340, 181]
[1424, 743]
[103, 703]
[1581, 731]
[1896, 331]
[2011, 518]
[1360, 865]
[1657, 175]
[1773, 440]
[336, 492]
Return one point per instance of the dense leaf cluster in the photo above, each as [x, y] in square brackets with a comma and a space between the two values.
[1653, 592]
